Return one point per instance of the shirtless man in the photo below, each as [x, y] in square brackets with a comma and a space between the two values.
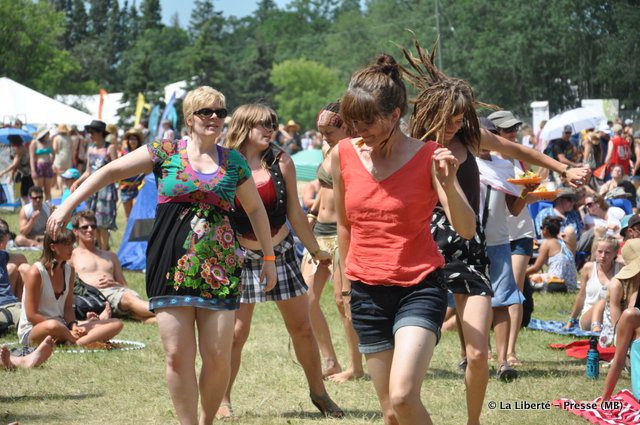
[33, 219]
[102, 270]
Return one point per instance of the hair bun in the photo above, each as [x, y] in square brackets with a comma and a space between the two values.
[388, 65]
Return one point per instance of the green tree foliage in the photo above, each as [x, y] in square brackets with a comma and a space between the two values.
[303, 87]
[151, 15]
[205, 59]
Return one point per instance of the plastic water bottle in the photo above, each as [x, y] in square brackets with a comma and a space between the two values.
[593, 359]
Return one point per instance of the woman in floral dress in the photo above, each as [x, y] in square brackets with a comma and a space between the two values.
[193, 259]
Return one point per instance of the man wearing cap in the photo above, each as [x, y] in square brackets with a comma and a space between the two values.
[563, 150]
[69, 177]
[630, 227]
[563, 207]
[104, 203]
[33, 219]
[618, 151]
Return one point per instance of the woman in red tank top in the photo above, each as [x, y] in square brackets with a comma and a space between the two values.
[386, 186]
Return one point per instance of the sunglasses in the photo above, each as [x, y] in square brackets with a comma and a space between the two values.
[512, 129]
[36, 197]
[208, 113]
[589, 204]
[269, 125]
[87, 227]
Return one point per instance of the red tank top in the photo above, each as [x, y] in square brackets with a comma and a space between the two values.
[391, 242]
[621, 154]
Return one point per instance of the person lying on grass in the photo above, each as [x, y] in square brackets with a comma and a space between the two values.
[47, 300]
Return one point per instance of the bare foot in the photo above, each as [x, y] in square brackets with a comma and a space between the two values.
[106, 313]
[225, 411]
[331, 367]
[345, 376]
[5, 358]
[40, 355]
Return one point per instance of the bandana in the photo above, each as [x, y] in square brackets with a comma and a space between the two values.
[329, 118]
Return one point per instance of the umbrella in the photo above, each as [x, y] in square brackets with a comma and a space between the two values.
[579, 119]
[5, 132]
[306, 163]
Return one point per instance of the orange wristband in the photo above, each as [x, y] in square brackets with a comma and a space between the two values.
[269, 258]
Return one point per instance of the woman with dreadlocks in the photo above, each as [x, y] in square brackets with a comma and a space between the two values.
[445, 111]
[386, 185]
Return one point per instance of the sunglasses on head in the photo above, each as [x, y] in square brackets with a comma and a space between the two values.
[208, 113]
[87, 226]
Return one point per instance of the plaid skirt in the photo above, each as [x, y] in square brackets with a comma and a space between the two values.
[290, 283]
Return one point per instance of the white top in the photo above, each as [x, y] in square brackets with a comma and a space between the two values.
[496, 230]
[40, 225]
[594, 288]
[521, 225]
[49, 306]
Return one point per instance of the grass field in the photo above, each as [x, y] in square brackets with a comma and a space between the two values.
[121, 387]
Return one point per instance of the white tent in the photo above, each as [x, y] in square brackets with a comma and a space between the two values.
[36, 108]
[91, 102]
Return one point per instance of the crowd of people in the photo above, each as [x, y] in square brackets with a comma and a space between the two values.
[413, 222]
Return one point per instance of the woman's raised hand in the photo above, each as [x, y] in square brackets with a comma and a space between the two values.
[446, 166]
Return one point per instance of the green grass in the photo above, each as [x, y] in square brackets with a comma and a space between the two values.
[129, 387]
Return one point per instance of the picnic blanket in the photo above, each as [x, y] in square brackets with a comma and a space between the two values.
[558, 328]
[622, 409]
[578, 350]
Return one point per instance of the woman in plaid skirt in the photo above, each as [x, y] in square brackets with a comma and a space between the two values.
[250, 133]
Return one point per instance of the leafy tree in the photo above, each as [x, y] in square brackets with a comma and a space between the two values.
[205, 53]
[77, 24]
[98, 17]
[303, 87]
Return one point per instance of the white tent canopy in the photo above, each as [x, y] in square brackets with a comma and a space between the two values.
[28, 105]
[91, 102]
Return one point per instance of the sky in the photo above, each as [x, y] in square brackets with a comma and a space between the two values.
[237, 8]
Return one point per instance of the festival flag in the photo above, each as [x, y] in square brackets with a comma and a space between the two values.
[140, 105]
[165, 113]
[103, 93]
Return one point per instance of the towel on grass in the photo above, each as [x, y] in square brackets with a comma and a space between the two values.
[558, 328]
[623, 409]
[578, 350]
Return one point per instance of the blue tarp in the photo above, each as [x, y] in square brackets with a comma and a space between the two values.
[133, 249]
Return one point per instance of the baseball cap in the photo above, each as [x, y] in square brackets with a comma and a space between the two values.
[567, 129]
[504, 119]
[628, 221]
[488, 125]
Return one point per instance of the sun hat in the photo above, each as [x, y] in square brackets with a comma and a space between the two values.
[292, 123]
[134, 132]
[42, 131]
[631, 257]
[71, 173]
[62, 129]
[97, 126]
[504, 119]
[616, 192]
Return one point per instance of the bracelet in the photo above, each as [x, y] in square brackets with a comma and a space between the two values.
[346, 293]
[314, 253]
[71, 323]
[564, 173]
[269, 258]
[573, 321]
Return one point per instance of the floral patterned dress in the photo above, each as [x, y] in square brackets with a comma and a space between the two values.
[193, 257]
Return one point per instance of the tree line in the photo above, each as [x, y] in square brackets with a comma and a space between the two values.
[301, 56]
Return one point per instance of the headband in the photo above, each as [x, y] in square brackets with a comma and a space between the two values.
[329, 118]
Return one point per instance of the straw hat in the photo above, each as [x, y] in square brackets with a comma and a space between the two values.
[42, 131]
[134, 132]
[63, 129]
[291, 124]
[631, 256]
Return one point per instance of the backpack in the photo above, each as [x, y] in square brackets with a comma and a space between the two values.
[86, 298]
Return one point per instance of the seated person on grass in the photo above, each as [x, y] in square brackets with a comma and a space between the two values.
[33, 219]
[47, 301]
[10, 305]
[102, 270]
[31, 360]
[554, 253]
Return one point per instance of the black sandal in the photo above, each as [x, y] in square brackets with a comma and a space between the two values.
[326, 406]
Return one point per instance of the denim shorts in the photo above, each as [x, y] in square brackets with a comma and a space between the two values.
[522, 246]
[379, 311]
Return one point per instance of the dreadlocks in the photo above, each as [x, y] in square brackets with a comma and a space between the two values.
[440, 97]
